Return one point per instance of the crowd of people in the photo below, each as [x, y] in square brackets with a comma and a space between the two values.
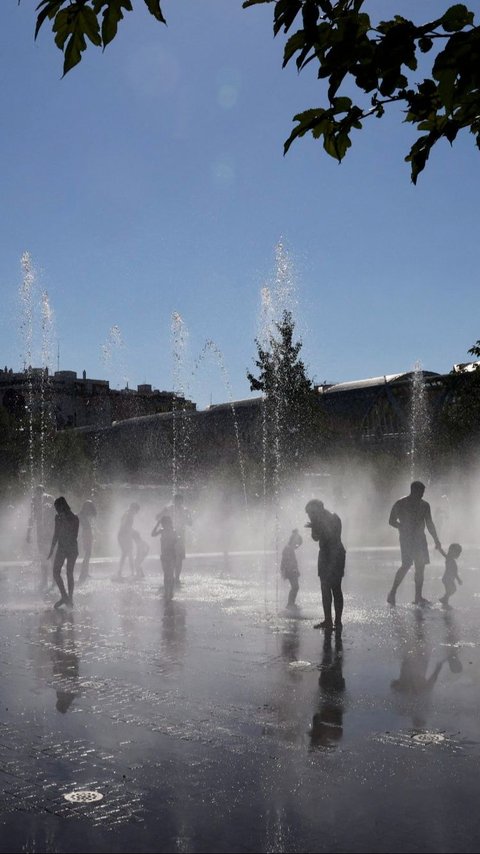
[409, 515]
[57, 530]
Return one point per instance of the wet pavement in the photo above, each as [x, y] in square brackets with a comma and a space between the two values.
[222, 724]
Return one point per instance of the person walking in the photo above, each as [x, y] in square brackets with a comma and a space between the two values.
[65, 540]
[410, 515]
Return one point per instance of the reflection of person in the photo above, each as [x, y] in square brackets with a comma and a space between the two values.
[452, 643]
[414, 687]
[289, 566]
[65, 665]
[410, 515]
[65, 539]
[141, 551]
[86, 516]
[451, 572]
[327, 723]
[180, 517]
[41, 521]
[125, 539]
[168, 552]
[326, 529]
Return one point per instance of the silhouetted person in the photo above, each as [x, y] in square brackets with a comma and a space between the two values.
[141, 551]
[410, 515]
[86, 516]
[65, 538]
[41, 522]
[451, 572]
[180, 517]
[168, 552]
[327, 723]
[125, 538]
[289, 566]
[326, 529]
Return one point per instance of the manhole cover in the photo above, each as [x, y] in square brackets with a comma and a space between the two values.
[83, 796]
[428, 737]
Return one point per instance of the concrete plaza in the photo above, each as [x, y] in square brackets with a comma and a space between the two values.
[221, 723]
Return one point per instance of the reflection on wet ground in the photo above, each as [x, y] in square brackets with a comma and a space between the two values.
[219, 723]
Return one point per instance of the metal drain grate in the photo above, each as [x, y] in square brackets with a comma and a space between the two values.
[428, 737]
[83, 796]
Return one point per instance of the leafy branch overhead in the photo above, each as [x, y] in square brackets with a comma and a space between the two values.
[381, 60]
[95, 20]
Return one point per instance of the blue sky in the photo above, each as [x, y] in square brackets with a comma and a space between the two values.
[152, 180]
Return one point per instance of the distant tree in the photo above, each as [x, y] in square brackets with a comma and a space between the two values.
[460, 418]
[379, 61]
[292, 414]
[475, 349]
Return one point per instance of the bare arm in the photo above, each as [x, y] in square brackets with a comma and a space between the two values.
[156, 529]
[393, 519]
[431, 527]
[54, 539]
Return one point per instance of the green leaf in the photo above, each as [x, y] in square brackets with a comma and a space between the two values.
[419, 154]
[112, 15]
[153, 7]
[87, 23]
[456, 18]
[307, 121]
[50, 9]
[425, 44]
[294, 44]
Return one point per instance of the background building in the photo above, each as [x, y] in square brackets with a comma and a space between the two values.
[71, 401]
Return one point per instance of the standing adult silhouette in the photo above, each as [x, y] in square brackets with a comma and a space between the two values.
[326, 529]
[410, 515]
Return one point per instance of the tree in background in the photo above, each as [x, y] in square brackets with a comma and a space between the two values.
[292, 421]
[460, 421]
[381, 62]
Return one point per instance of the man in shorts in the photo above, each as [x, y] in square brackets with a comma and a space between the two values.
[410, 515]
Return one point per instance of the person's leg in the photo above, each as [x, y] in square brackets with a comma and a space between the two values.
[71, 559]
[86, 561]
[338, 603]
[293, 591]
[327, 606]
[169, 582]
[179, 558]
[130, 560]
[57, 570]
[419, 578]
[444, 599]
[399, 576]
[123, 557]
[449, 590]
[178, 568]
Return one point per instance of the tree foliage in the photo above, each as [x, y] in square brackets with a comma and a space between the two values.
[382, 61]
[379, 60]
[292, 413]
[75, 21]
